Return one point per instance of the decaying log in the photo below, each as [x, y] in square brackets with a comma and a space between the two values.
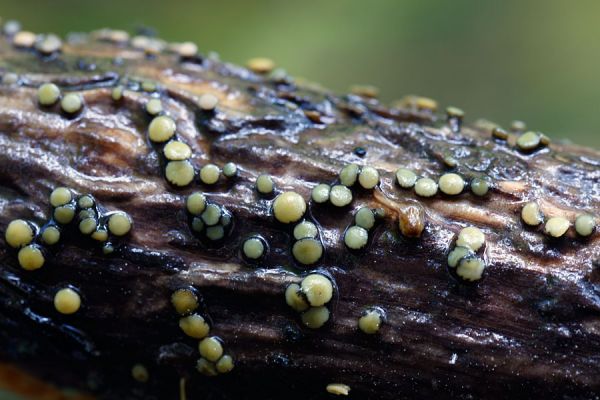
[530, 326]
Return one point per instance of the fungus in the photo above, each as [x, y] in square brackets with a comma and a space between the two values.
[140, 373]
[451, 184]
[176, 150]
[88, 225]
[426, 187]
[315, 317]
[50, 235]
[585, 224]
[349, 174]
[295, 298]
[356, 237]
[208, 102]
[531, 214]
[154, 107]
[338, 389]
[556, 226]
[31, 257]
[117, 93]
[215, 233]
[371, 320]
[85, 202]
[211, 348]
[307, 251]
[119, 223]
[368, 177]
[230, 170]
[185, 301]
[457, 254]
[64, 214]
[471, 237]
[209, 174]
[365, 218]
[340, 196]
[470, 268]
[48, 94]
[60, 196]
[253, 248]
[211, 214]
[480, 186]
[261, 65]
[71, 103]
[179, 173]
[196, 203]
[289, 207]
[264, 184]
[320, 193]
[499, 133]
[18, 233]
[161, 129]
[528, 141]
[406, 178]
[305, 229]
[225, 364]
[67, 301]
[194, 326]
[317, 288]
[206, 367]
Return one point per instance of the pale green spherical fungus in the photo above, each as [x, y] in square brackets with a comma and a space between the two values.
[51, 235]
[528, 141]
[470, 268]
[209, 174]
[18, 233]
[349, 174]
[161, 129]
[60, 196]
[585, 224]
[470, 237]
[265, 184]
[556, 226]
[368, 177]
[406, 178]
[179, 173]
[365, 218]
[289, 207]
[295, 298]
[371, 320]
[426, 187]
[230, 170]
[48, 94]
[317, 288]
[457, 254]
[315, 317]
[531, 214]
[305, 229]
[212, 214]
[154, 106]
[216, 232]
[253, 248]
[320, 193]
[196, 203]
[119, 223]
[71, 103]
[356, 237]
[307, 251]
[176, 150]
[451, 184]
[211, 348]
[480, 186]
[340, 196]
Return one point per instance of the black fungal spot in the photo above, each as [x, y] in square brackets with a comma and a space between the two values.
[360, 151]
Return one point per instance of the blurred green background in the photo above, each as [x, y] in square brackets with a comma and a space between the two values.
[538, 61]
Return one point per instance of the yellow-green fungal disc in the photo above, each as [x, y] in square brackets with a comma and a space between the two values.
[100, 235]
[51, 235]
[305, 229]
[365, 218]
[295, 298]
[315, 317]
[356, 237]
[216, 232]
[140, 373]
[307, 251]
[119, 223]
[349, 174]
[48, 94]
[531, 214]
[585, 224]
[471, 237]
[211, 214]
[184, 300]
[206, 367]
[177, 151]
[108, 248]
[457, 254]
[406, 178]
[209, 174]
[253, 248]
[339, 389]
[370, 321]
[480, 186]
[230, 170]
[87, 226]
[528, 141]
[117, 93]
[194, 326]
[211, 348]
[264, 184]
[60, 196]
[225, 364]
[198, 225]
[154, 106]
[71, 103]
[85, 202]
[317, 288]
[454, 112]
[556, 226]
[499, 133]
[64, 214]
[289, 207]
[368, 177]
[83, 214]
[426, 187]
[208, 102]
[451, 184]
[320, 193]
[340, 196]
[18, 233]
[196, 203]
[161, 129]
[148, 86]
[67, 301]
[179, 173]
[470, 268]
[30, 257]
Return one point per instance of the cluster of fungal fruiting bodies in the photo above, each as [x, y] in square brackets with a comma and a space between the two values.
[207, 219]
[465, 259]
[310, 298]
[556, 227]
[34, 243]
[450, 184]
[356, 236]
[49, 94]
[212, 360]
